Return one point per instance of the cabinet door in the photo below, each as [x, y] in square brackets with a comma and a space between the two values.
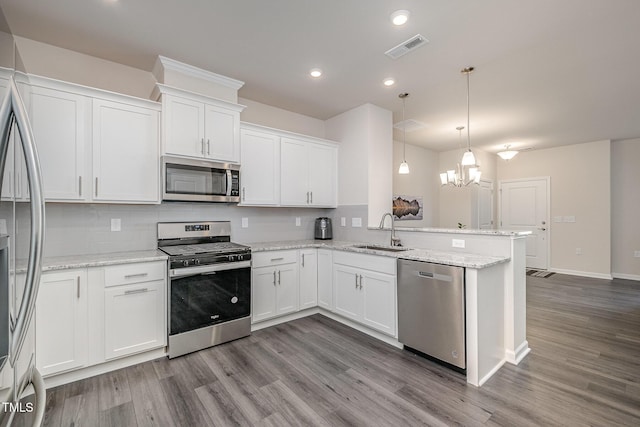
[60, 128]
[260, 173]
[184, 127]
[263, 293]
[379, 296]
[222, 134]
[325, 279]
[287, 289]
[61, 322]
[125, 153]
[134, 318]
[293, 173]
[308, 278]
[322, 175]
[347, 295]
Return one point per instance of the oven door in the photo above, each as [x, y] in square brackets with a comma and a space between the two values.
[207, 295]
[199, 180]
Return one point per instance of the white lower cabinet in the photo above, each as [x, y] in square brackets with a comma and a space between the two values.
[61, 322]
[274, 284]
[134, 318]
[364, 288]
[308, 278]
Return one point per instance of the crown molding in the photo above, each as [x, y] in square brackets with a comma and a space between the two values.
[171, 64]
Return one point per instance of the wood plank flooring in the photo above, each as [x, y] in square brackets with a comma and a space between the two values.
[584, 369]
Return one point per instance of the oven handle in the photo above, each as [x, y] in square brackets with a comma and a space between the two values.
[192, 271]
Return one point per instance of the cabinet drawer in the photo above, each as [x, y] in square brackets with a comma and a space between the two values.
[381, 264]
[265, 259]
[134, 273]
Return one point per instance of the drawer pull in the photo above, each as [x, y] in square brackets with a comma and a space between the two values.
[131, 276]
[277, 259]
[136, 291]
[78, 287]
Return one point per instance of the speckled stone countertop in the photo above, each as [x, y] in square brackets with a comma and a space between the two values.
[96, 260]
[460, 231]
[439, 257]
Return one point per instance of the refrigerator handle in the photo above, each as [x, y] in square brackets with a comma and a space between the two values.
[34, 266]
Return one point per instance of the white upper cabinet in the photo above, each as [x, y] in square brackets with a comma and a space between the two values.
[59, 120]
[125, 152]
[260, 168]
[199, 126]
[308, 173]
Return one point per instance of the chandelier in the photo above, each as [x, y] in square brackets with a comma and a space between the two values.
[462, 175]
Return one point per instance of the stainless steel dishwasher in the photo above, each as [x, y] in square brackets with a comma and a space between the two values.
[431, 310]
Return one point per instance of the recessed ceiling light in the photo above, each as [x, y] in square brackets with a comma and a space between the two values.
[400, 17]
[389, 82]
[316, 72]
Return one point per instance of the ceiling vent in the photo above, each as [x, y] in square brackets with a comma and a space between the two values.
[406, 46]
[410, 125]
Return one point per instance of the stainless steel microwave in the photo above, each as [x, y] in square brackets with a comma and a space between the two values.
[193, 180]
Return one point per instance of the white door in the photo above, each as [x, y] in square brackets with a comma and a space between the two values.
[61, 322]
[379, 295]
[322, 175]
[184, 126]
[325, 279]
[294, 190]
[260, 168]
[60, 129]
[485, 205]
[348, 298]
[287, 284]
[524, 206]
[263, 293]
[125, 153]
[308, 278]
[222, 134]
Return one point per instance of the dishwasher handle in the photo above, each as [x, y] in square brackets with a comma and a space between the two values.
[435, 276]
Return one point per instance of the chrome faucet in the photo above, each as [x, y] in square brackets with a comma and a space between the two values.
[394, 240]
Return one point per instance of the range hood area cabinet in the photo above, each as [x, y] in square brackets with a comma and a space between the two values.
[280, 168]
[198, 126]
[94, 146]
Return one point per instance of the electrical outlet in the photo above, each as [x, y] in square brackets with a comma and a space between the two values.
[457, 243]
[356, 222]
[245, 222]
[578, 251]
[297, 221]
[343, 222]
[116, 224]
[636, 254]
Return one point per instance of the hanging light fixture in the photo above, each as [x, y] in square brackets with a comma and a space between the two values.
[507, 154]
[404, 166]
[468, 159]
[462, 175]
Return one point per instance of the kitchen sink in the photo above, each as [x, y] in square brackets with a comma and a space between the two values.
[382, 248]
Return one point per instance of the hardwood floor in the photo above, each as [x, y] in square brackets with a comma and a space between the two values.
[584, 369]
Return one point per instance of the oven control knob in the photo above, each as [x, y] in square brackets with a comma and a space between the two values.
[185, 263]
[196, 261]
[240, 257]
[230, 258]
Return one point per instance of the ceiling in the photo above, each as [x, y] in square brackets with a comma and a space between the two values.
[547, 73]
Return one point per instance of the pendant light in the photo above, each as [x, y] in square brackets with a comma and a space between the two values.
[404, 166]
[468, 159]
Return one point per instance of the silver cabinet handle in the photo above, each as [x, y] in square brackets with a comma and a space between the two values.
[78, 287]
[202, 146]
[131, 276]
[274, 277]
[244, 198]
[136, 291]
[356, 281]
[278, 277]
[80, 186]
[277, 259]
[361, 281]
[96, 186]
[307, 197]
[311, 197]
[303, 260]
[208, 147]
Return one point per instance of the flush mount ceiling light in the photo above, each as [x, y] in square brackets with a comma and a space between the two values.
[507, 154]
[315, 72]
[400, 17]
[468, 159]
[404, 166]
[389, 82]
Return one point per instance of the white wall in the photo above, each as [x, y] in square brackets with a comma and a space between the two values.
[625, 208]
[581, 187]
[422, 181]
[380, 151]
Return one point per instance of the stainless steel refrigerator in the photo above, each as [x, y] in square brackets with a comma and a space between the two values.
[21, 243]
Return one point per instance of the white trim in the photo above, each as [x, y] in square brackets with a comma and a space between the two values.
[357, 326]
[591, 274]
[515, 357]
[626, 276]
[286, 133]
[284, 319]
[190, 70]
[162, 89]
[490, 373]
[101, 368]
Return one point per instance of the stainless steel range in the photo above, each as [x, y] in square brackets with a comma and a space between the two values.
[209, 285]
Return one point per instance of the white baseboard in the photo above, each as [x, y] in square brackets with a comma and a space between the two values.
[515, 357]
[357, 326]
[582, 273]
[490, 373]
[284, 319]
[626, 276]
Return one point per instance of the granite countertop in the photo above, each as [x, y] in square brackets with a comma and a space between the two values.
[95, 260]
[459, 231]
[457, 259]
